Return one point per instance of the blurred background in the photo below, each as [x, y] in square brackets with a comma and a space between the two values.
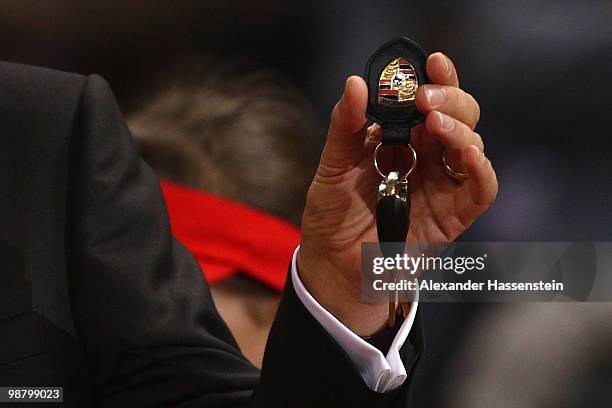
[540, 70]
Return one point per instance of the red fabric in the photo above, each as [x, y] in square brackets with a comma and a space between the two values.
[227, 237]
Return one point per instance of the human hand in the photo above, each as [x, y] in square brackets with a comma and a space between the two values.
[341, 202]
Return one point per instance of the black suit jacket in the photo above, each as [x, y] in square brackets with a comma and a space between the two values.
[96, 295]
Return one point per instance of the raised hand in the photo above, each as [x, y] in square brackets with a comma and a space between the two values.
[341, 201]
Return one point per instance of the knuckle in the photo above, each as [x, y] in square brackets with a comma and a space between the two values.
[478, 141]
[494, 189]
[466, 135]
[471, 105]
[487, 197]
[491, 198]
[476, 110]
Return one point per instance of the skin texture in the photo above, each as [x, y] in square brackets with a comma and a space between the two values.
[248, 309]
[340, 204]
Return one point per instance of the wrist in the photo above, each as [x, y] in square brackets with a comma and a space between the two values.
[339, 293]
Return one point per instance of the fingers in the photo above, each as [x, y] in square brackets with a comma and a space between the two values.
[347, 129]
[483, 181]
[348, 116]
[451, 133]
[441, 70]
[374, 133]
[444, 95]
[452, 114]
[454, 136]
[451, 101]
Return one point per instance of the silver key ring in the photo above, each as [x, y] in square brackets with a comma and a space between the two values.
[405, 176]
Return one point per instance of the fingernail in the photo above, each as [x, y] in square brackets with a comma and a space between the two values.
[435, 96]
[447, 64]
[446, 122]
[346, 85]
[481, 158]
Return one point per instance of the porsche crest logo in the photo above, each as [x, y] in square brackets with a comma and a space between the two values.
[397, 84]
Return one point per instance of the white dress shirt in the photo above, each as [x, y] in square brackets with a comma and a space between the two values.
[380, 373]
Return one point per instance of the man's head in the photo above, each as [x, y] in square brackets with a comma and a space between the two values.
[244, 133]
[233, 129]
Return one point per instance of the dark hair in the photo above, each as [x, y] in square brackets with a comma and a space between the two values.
[235, 129]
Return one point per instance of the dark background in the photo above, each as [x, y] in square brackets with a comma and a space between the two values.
[540, 70]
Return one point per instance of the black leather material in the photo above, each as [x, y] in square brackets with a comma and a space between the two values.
[392, 221]
[395, 121]
[99, 298]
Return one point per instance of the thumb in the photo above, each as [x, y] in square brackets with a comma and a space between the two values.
[348, 127]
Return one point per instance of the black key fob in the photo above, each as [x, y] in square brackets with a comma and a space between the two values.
[393, 74]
